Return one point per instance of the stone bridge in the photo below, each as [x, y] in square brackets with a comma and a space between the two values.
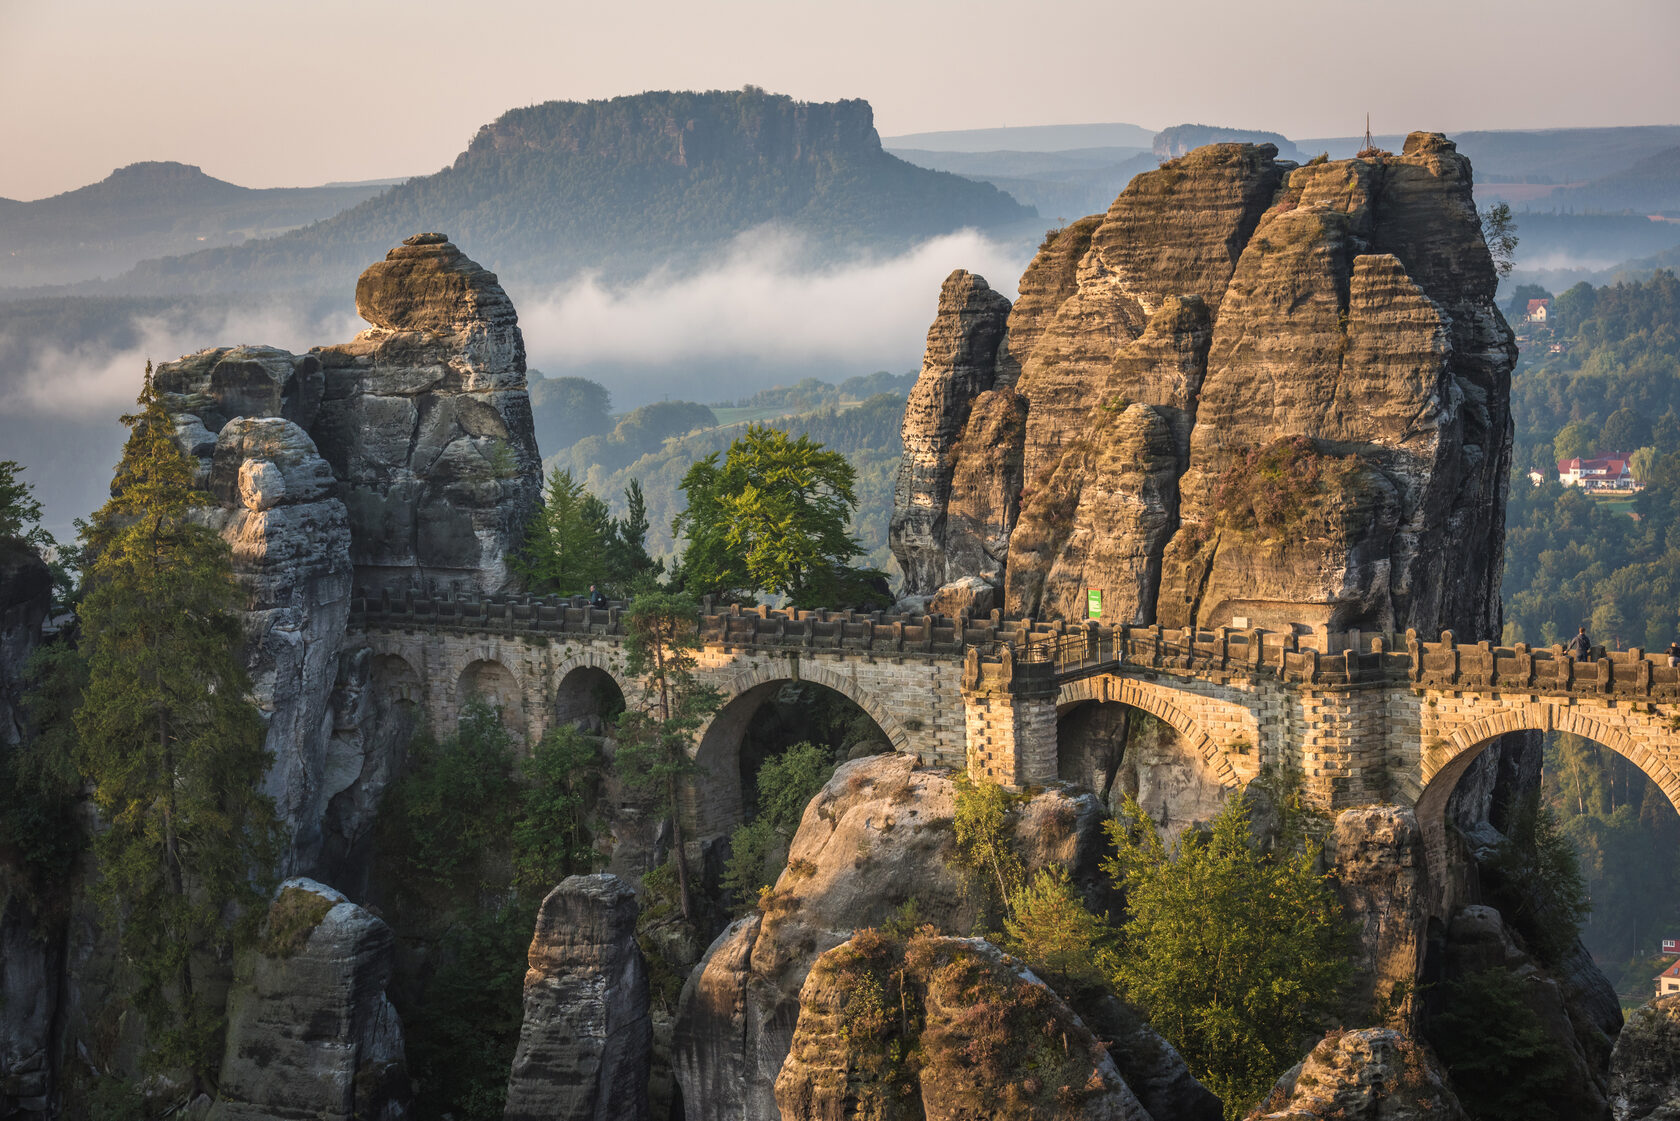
[1360, 717]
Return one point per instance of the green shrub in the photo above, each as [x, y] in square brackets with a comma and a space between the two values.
[292, 918]
[1534, 879]
[1504, 1064]
[1273, 488]
[551, 838]
[758, 850]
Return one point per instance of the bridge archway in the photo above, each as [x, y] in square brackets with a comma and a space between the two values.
[490, 681]
[1122, 736]
[588, 694]
[722, 792]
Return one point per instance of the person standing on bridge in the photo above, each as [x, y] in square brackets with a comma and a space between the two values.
[1674, 654]
[1580, 646]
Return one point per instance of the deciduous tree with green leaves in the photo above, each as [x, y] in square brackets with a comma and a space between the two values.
[656, 734]
[1236, 956]
[171, 742]
[772, 517]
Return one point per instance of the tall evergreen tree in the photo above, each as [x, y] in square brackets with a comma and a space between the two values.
[656, 735]
[171, 742]
[566, 541]
[629, 567]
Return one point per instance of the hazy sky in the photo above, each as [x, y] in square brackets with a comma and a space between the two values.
[301, 92]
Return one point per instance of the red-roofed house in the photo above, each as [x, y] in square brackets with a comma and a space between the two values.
[1611, 471]
[1668, 981]
[1537, 310]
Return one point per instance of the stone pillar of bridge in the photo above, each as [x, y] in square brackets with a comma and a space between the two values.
[1009, 711]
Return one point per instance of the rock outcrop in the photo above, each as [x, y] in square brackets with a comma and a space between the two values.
[1645, 1068]
[872, 842]
[1381, 878]
[1250, 391]
[310, 1032]
[403, 459]
[427, 425]
[1374, 1074]
[990, 1040]
[586, 1041]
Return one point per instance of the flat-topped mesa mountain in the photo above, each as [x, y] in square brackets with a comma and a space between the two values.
[403, 459]
[1251, 394]
[626, 185]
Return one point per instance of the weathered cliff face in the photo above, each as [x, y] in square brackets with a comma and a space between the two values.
[994, 1041]
[587, 1038]
[1381, 879]
[876, 837]
[404, 458]
[310, 1033]
[427, 425]
[1375, 1074]
[30, 960]
[1251, 391]
[1645, 1068]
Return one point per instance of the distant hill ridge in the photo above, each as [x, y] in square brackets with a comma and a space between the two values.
[626, 185]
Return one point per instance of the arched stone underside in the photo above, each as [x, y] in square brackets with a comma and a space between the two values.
[1189, 714]
[715, 803]
[586, 696]
[489, 680]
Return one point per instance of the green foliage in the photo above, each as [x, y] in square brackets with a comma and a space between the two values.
[551, 837]
[453, 808]
[656, 736]
[758, 850]
[1505, 1065]
[1499, 230]
[630, 569]
[1534, 878]
[170, 743]
[40, 836]
[1236, 957]
[566, 541]
[292, 918]
[462, 1033]
[984, 825]
[1576, 440]
[1271, 489]
[1050, 928]
[771, 517]
[20, 513]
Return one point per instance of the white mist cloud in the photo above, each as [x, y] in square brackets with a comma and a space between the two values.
[93, 381]
[764, 301]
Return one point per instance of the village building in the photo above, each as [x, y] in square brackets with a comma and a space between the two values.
[1605, 472]
[1538, 311]
[1668, 981]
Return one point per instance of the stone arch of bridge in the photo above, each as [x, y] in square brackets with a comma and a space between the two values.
[1159, 701]
[489, 680]
[715, 802]
[1445, 763]
[589, 686]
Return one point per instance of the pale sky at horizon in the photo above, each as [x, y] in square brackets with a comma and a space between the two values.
[304, 92]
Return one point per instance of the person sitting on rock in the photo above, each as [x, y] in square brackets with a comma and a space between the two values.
[596, 599]
[1580, 647]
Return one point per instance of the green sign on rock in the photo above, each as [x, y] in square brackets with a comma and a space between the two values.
[1093, 603]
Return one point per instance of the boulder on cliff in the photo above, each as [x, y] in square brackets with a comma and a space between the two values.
[873, 843]
[587, 1038]
[1250, 391]
[427, 424]
[1373, 1074]
[942, 1027]
[310, 1032]
[1645, 1067]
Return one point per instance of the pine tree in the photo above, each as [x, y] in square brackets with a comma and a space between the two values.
[629, 567]
[656, 736]
[171, 742]
[566, 541]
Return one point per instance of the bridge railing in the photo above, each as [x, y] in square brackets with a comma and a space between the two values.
[1070, 649]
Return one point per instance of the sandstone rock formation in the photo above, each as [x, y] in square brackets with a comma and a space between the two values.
[1380, 875]
[30, 961]
[992, 1041]
[586, 1040]
[310, 1032]
[1645, 1068]
[403, 459]
[873, 840]
[427, 425]
[1250, 391]
[1374, 1074]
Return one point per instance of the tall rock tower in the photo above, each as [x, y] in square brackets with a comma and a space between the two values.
[1251, 394]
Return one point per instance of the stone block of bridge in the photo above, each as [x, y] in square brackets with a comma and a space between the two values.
[1009, 716]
